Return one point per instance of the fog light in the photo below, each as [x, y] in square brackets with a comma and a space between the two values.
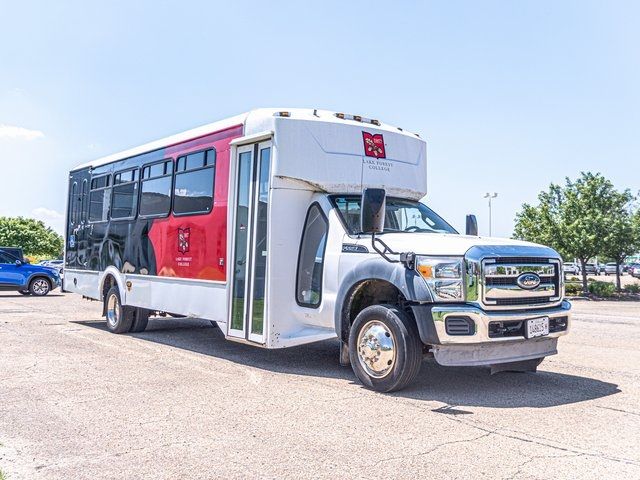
[449, 289]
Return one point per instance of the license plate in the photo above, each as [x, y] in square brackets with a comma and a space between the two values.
[537, 327]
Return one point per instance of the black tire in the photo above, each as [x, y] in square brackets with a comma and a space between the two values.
[402, 331]
[140, 320]
[119, 318]
[39, 286]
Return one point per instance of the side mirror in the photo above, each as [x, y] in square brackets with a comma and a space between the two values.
[372, 210]
[472, 225]
[18, 263]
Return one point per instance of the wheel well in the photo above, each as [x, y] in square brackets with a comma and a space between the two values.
[35, 277]
[365, 294]
[109, 281]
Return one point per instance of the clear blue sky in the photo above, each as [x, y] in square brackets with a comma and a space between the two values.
[510, 95]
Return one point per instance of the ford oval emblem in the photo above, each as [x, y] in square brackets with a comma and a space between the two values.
[528, 281]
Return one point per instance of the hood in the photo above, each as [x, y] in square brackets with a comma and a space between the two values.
[43, 269]
[451, 244]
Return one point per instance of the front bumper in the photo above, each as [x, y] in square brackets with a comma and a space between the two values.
[494, 353]
[478, 347]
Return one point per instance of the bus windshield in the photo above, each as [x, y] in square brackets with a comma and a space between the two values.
[401, 216]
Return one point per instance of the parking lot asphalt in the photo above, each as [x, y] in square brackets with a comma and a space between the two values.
[178, 401]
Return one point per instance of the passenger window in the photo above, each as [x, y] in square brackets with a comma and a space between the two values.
[99, 199]
[155, 188]
[83, 204]
[311, 258]
[125, 194]
[72, 204]
[195, 176]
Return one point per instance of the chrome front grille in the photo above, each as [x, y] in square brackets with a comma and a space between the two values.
[501, 287]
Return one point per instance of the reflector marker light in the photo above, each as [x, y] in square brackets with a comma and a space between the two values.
[357, 118]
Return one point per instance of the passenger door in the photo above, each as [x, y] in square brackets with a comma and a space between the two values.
[249, 252]
[10, 275]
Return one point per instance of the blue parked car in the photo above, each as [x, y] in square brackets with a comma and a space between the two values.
[15, 274]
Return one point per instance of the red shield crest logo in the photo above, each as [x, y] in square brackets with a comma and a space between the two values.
[183, 239]
[373, 145]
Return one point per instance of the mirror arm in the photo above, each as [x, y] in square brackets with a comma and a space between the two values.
[408, 259]
[382, 253]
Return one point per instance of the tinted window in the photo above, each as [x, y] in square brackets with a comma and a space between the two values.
[311, 259]
[156, 196]
[83, 208]
[125, 195]
[100, 182]
[124, 177]
[99, 199]
[193, 192]
[156, 170]
[6, 258]
[73, 205]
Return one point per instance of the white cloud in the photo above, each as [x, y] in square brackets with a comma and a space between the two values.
[19, 133]
[51, 218]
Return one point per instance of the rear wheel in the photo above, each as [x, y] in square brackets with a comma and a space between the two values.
[119, 318]
[385, 348]
[140, 320]
[39, 287]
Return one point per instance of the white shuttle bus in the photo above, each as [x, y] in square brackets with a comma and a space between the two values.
[286, 227]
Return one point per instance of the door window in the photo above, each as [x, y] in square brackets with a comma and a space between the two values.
[260, 252]
[311, 258]
[241, 238]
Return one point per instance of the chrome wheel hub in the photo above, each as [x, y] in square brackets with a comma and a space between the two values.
[376, 349]
[113, 311]
[40, 287]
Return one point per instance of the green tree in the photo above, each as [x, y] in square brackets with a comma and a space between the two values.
[573, 219]
[623, 236]
[32, 235]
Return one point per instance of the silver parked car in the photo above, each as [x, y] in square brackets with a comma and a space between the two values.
[570, 268]
[610, 269]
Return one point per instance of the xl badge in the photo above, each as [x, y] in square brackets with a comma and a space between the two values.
[528, 281]
[373, 145]
[183, 239]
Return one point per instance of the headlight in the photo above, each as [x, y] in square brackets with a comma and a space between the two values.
[444, 276]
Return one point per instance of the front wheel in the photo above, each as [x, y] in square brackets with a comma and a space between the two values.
[39, 287]
[384, 348]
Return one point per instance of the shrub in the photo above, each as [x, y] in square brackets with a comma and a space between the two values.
[572, 288]
[602, 289]
[632, 288]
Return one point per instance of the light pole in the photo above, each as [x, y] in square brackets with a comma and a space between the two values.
[490, 196]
